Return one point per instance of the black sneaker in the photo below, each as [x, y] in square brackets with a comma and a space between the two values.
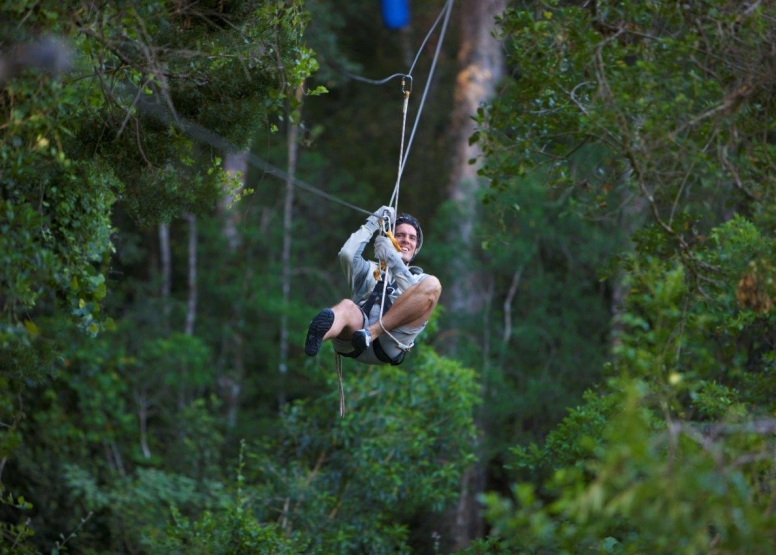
[361, 340]
[318, 328]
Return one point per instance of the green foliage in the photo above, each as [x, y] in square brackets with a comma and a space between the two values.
[545, 331]
[119, 128]
[232, 529]
[61, 174]
[656, 487]
[642, 82]
[56, 214]
[670, 457]
[14, 536]
[572, 443]
[649, 115]
[487, 546]
[350, 484]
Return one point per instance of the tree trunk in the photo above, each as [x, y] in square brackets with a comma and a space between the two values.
[191, 307]
[166, 260]
[481, 66]
[293, 134]
[632, 217]
[230, 384]
[143, 406]
[141, 395]
[235, 164]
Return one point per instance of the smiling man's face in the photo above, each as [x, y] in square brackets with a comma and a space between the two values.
[407, 238]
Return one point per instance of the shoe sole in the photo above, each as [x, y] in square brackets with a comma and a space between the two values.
[318, 328]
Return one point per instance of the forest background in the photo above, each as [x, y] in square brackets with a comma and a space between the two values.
[594, 182]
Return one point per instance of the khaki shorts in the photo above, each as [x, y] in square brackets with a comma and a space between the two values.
[403, 333]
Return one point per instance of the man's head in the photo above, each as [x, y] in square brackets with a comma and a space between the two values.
[409, 235]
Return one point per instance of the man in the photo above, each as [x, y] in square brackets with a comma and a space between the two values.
[354, 325]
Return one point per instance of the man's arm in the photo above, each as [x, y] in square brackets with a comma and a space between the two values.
[354, 265]
[357, 269]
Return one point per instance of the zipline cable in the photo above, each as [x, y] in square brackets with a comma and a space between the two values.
[355, 77]
[404, 153]
[446, 11]
[204, 135]
[369, 81]
[394, 202]
[446, 8]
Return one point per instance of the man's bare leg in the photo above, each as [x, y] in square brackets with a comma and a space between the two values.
[341, 321]
[413, 307]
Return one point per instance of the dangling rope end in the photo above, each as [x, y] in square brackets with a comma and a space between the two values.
[341, 387]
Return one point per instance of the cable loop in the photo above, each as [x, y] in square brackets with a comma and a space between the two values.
[407, 92]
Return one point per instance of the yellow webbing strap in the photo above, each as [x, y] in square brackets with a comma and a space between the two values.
[390, 236]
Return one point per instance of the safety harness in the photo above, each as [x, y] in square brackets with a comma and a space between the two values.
[377, 293]
[376, 297]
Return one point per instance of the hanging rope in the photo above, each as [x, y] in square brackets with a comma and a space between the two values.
[394, 202]
[446, 11]
[338, 363]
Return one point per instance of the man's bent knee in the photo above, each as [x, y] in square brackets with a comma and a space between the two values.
[346, 305]
[433, 286]
[428, 292]
[431, 289]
